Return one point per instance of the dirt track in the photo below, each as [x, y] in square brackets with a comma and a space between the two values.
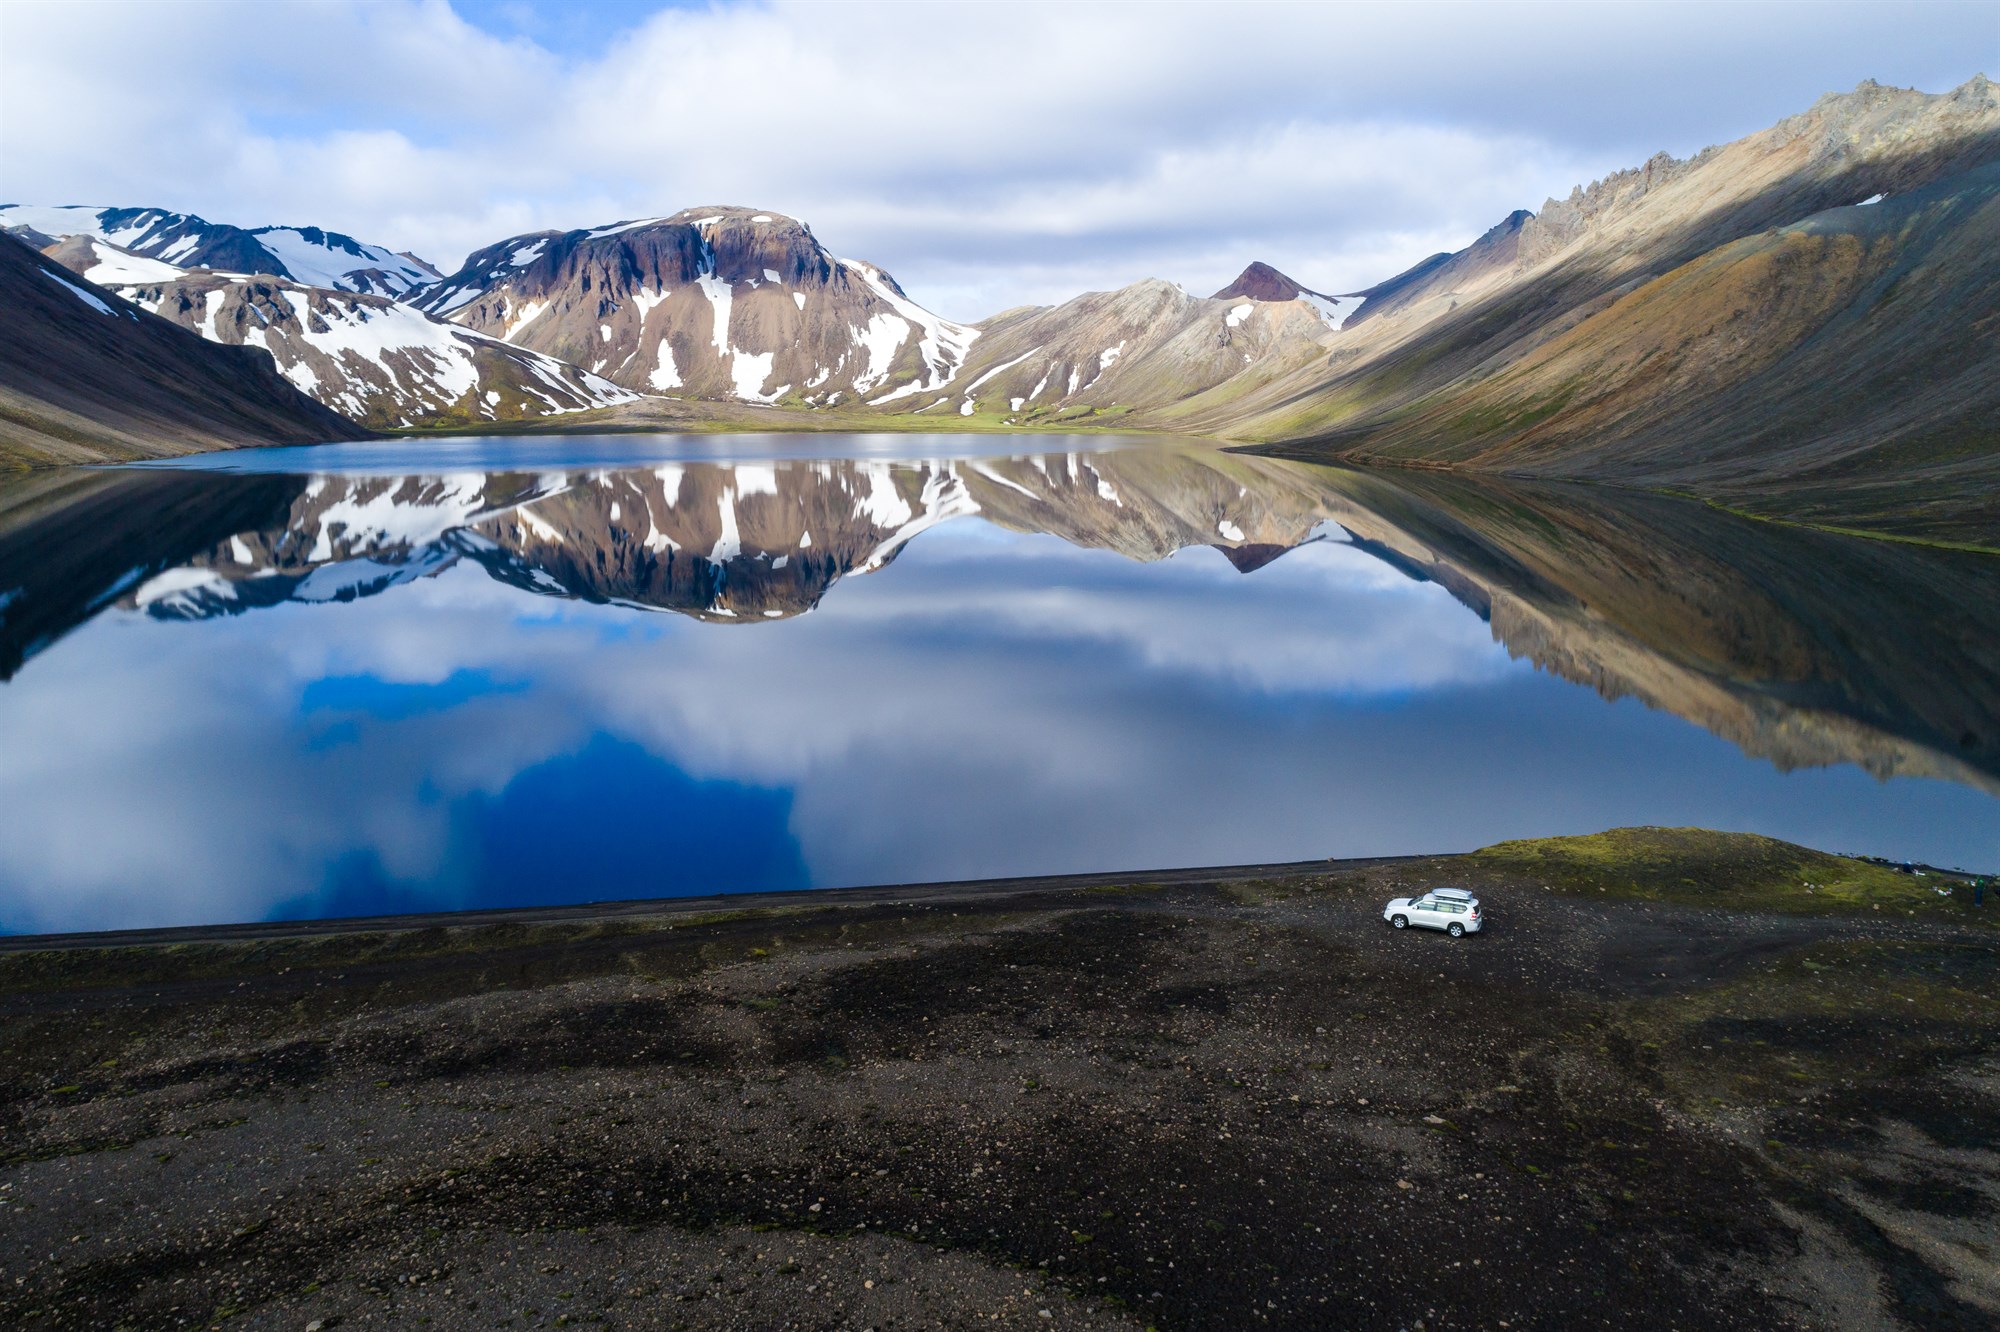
[1205, 1104]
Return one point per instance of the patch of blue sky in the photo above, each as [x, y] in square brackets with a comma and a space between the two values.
[397, 700]
[573, 29]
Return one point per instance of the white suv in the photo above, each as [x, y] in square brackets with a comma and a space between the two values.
[1452, 910]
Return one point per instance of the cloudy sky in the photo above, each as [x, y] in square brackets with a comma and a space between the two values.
[987, 154]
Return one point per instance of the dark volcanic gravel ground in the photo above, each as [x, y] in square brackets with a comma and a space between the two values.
[1193, 1106]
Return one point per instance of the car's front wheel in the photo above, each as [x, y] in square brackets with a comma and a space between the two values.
[1400, 922]
[1455, 930]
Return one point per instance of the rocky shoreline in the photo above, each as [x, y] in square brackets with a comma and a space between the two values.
[1696, 1080]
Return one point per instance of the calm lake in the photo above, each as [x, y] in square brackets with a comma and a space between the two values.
[435, 674]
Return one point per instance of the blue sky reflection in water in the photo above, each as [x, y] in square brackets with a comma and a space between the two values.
[437, 727]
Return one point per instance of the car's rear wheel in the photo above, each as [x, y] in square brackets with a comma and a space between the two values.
[1455, 930]
[1400, 922]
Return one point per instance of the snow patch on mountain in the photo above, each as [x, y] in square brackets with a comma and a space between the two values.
[1003, 366]
[647, 301]
[112, 266]
[666, 375]
[721, 297]
[328, 259]
[69, 220]
[372, 334]
[523, 315]
[881, 338]
[618, 227]
[750, 370]
[90, 299]
[943, 345]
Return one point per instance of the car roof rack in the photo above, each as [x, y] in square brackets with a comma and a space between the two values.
[1453, 892]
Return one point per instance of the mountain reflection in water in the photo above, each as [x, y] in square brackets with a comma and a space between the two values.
[234, 695]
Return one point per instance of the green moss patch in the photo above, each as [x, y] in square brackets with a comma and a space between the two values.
[1695, 866]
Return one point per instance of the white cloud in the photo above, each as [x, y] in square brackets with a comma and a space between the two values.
[986, 154]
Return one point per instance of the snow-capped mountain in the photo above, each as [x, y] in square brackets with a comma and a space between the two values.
[372, 359]
[709, 303]
[107, 265]
[87, 377]
[307, 255]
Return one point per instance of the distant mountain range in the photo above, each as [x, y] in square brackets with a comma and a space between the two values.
[306, 255]
[1795, 323]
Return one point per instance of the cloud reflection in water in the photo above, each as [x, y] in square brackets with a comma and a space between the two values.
[996, 701]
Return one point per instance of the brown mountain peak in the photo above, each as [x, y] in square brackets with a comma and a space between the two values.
[1261, 282]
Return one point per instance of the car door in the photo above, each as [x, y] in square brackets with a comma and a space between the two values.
[1424, 911]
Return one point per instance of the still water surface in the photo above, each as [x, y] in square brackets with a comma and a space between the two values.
[403, 676]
